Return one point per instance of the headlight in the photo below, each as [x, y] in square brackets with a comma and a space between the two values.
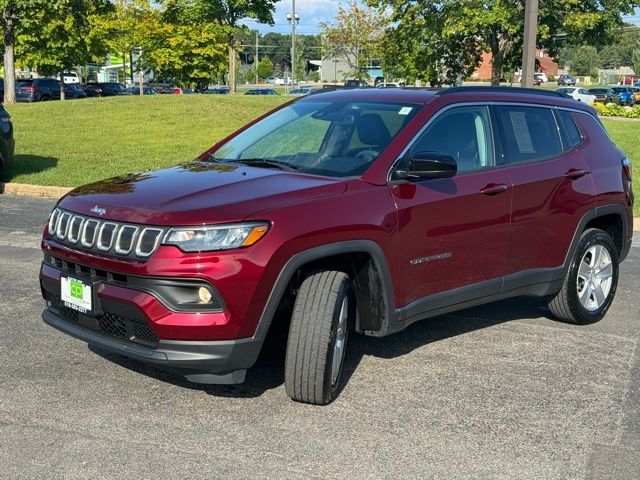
[219, 237]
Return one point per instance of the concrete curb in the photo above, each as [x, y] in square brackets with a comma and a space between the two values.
[33, 190]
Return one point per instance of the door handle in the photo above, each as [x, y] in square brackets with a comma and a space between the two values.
[575, 173]
[494, 189]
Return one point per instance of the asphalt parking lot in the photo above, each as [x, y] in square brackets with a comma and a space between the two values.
[500, 391]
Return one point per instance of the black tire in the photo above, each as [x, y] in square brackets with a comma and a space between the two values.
[565, 305]
[312, 337]
[44, 99]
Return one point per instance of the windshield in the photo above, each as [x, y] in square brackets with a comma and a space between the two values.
[331, 138]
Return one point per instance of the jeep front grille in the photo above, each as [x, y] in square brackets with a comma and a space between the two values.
[104, 236]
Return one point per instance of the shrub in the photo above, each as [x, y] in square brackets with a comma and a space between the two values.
[613, 110]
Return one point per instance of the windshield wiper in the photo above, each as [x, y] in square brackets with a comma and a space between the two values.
[263, 162]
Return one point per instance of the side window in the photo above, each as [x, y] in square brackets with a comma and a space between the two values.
[465, 134]
[570, 131]
[530, 133]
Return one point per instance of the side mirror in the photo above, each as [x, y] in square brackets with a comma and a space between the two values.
[428, 165]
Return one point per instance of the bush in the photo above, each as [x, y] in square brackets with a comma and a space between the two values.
[613, 110]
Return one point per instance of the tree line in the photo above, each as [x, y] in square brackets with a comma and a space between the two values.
[185, 40]
[441, 41]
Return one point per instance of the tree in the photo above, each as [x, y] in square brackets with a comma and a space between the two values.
[585, 61]
[354, 37]
[453, 34]
[230, 13]
[62, 35]
[265, 68]
[15, 14]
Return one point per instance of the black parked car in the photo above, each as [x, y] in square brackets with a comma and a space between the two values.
[261, 91]
[43, 89]
[73, 91]
[7, 143]
[136, 91]
[216, 91]
[605, 95]
[37, 90]
[355, 84]
[103, 89]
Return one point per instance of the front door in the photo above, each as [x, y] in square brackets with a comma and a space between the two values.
[454, 232]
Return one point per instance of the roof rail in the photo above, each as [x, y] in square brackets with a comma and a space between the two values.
[482, 88]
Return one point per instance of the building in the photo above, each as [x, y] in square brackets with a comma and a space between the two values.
[544, 64]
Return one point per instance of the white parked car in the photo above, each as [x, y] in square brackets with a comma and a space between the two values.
[578, 93]
[541, 76]
[70, 77]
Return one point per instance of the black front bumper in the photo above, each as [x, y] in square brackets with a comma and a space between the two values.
[215, 362]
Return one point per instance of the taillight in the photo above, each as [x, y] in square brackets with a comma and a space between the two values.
[30, 89]
[626, 166]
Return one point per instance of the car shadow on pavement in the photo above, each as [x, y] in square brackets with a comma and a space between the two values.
[27, 164]
[268, 373]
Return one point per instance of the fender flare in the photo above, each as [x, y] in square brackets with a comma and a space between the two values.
[317, 253]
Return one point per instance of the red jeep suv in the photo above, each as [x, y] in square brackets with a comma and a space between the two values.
[362, 210]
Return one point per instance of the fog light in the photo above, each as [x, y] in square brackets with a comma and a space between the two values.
[204, 294]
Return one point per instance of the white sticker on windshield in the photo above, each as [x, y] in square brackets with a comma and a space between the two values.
[521, 131]
[405, 111]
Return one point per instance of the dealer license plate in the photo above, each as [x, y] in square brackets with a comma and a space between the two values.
[75, 294]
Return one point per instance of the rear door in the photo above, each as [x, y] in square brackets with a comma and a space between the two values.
[552, 187]
[454, 232]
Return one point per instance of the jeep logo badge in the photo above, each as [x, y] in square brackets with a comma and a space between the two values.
[100, 211]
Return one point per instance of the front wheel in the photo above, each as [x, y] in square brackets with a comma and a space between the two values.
[591, 281]
[323, 311]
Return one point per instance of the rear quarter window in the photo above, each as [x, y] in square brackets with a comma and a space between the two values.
[529, 133]
[570, 131]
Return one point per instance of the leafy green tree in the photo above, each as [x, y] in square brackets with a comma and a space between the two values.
[229, 13]
[354, 37]
[449, 36]
[16, 14]
[62, 36]
[127, 26]
[636, 62]
[585, 61]
[265, 68]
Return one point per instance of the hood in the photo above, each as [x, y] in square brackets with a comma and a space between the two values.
[196, 193]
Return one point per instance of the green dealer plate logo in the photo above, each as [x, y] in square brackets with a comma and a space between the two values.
[75, 288]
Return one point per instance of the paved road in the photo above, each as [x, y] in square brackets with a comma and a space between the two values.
[494, 392]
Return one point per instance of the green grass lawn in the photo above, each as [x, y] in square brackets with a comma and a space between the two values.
[76, 142]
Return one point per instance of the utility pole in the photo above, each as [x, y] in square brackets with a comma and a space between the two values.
[293, 18]
[529, 44]
[255, 59]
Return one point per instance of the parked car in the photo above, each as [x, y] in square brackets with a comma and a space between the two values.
[540, 77]
[135, 90]
[605, 95]
[1, 89]
[355, 84]
[636, 93]
[565, 79]
[626, 95]
[216, 91]
[578, 93]
[261, 91]
[300, 92]
[70, 78]
[170, 91]
[185, 267]
[103, 89]
[73, 91]
[7, 143]
[37, 89]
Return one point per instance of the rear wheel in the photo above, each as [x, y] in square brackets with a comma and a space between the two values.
[318, 333]
[591, 281]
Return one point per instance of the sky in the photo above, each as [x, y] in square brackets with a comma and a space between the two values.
[311, 12]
